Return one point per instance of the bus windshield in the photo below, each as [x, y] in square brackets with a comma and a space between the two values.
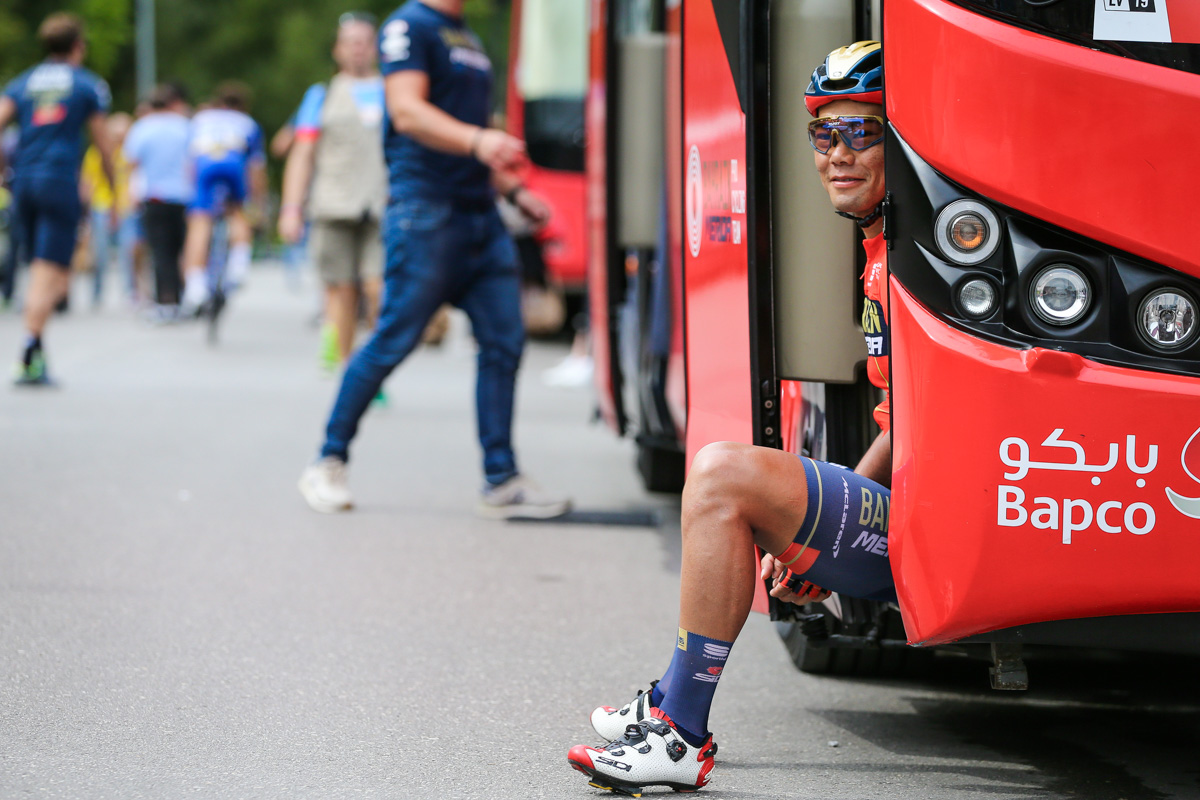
[1165, 34]
[552, 79]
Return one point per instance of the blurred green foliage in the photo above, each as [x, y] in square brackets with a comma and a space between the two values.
[278, 47]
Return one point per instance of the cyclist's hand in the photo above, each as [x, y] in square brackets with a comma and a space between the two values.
[499, 151]
[291, 225]
[787, 587]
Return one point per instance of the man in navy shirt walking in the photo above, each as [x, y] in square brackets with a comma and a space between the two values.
[444, 242]
[52, 104]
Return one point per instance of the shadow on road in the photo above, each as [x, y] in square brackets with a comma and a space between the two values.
[1101, 726]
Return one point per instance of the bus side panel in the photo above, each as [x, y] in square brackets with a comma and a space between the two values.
[1034, 485]
[603, 354]
[955, 78]
[564, 240]
[715, 265]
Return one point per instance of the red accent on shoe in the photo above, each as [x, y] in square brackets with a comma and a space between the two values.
[607, 709]
[579, 757]
[658, 713]
[702, 778]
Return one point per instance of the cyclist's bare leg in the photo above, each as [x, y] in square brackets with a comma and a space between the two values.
[195, 245]
[48, 285]
[341, 311]
[736, 496]
[195, 256]
[240, 237]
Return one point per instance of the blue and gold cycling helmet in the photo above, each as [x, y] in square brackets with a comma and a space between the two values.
[853, 72]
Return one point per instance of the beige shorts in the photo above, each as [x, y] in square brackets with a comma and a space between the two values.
[346, 252]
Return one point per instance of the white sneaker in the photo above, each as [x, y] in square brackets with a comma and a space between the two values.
[650, 753]
[611, 722]
[324, 486]
[570, 372]
[195, 295]
[520, 497]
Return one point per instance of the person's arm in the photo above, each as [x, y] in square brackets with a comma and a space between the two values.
[297, 173]
[407, 96]
[97, 127]
[877, 463]
[8, 110]
[282, 141]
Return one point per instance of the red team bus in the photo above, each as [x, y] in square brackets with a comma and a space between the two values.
[544, 106]
[1043, 331]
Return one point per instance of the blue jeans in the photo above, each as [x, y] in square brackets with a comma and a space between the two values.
[103, 239]
[438, 252]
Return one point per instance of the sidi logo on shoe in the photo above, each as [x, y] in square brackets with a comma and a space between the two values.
[611, 763]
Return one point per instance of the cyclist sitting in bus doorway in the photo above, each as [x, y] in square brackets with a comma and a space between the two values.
[228, 165]
[795, 509]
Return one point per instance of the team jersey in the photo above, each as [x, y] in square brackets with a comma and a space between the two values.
[416, 37]
[54, 102]
[875, 325]
[225, 137]
[368, 98]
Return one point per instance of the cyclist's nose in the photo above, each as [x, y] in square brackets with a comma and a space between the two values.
[839, 151]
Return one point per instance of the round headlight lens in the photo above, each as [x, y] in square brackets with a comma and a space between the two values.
[1168, 319]
[977, 297]
[1061, 295]
[967, 232]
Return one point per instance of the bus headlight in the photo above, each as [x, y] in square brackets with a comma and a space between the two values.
[1167, 319]
[977, 297]
[1060, 295]
[967, 232]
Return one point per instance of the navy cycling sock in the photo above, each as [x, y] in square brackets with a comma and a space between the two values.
[695, 669]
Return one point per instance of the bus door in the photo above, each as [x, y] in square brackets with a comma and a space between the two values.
[635, 271]
[1044, 292]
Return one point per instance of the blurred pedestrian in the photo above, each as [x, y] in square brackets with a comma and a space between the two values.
[336, 160]
[52, 102]
[228, 165]
[444, 243]
[112, 222]
[157, 146]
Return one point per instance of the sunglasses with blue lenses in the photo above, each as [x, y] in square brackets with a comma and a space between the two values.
[857, 132]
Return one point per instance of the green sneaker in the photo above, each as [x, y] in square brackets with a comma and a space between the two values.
[34, 373]
[329, 356]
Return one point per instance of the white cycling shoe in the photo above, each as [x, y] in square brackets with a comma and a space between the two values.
[611, 722]
[650, 753]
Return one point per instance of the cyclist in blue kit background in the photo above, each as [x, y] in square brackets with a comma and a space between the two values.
[444, 243]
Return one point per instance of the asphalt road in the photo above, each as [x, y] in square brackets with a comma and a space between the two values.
[174, 622]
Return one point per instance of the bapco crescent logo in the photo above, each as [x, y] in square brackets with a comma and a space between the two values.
[1188, 506]
[695, 201]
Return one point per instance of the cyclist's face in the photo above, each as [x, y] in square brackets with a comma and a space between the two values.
[854, 179]
[354, 51]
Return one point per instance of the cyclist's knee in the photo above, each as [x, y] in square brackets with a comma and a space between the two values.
[721, 480]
